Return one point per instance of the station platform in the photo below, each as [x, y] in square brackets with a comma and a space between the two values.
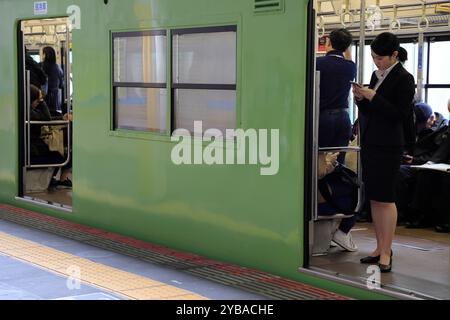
[45, 258]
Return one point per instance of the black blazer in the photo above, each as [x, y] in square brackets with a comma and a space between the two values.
[388, 119]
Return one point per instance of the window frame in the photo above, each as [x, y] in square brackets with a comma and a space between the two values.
[427, 85]
[150, 85]
[203, 86]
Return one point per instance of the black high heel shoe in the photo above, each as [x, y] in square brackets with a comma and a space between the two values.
[386, 267]
[372, 259]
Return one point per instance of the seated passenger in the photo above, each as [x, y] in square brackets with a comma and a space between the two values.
[342, 235]
[429, 205]
[424, 119]
[416, 188]
[40, 153]
[427, 121]
[439, 121]
[428, 141]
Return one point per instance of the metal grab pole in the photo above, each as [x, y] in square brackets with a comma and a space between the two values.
[27, 118]
[68, 97]
[315, 160]
[420, 67]
[362, 40]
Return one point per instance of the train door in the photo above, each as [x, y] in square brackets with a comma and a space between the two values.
[421, 256]
[45, 112]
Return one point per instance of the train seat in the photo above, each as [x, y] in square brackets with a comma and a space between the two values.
[323, 233]
[38, 180]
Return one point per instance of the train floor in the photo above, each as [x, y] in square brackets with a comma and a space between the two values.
[60, 196]
[420, 261]
[45, 258]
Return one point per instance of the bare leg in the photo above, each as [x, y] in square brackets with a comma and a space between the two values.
[65, 174]
[386, 216]
[377, 227]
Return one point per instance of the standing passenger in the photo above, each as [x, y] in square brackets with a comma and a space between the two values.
[384, 106]
[402, 55]
[38, 77]
[55, 81]
[335, 128]
[336, 72]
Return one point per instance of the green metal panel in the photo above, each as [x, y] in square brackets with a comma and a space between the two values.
[126, 183]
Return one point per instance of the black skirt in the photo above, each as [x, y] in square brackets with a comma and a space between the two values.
[380, 168]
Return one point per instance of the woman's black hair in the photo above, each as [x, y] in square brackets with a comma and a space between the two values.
[50, 55]
[34, 93]
[385, 44]
[402, 55]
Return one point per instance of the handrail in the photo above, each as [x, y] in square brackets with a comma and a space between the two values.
[27, 118]
[413, 5]
[315, 169]
[52, 122]
[340, 149]
[57, 165]
[348, 13]
[395, 25]
[334, 216]
[321, 25]
[423, 19]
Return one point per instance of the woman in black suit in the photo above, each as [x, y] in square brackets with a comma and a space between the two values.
[385, 118]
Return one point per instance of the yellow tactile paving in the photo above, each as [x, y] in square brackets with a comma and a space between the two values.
[110, 279]
[163, 292]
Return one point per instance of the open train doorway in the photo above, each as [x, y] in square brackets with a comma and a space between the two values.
[421, 253]
[45, 111]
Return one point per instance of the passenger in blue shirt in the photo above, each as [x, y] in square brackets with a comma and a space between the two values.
[336, 72]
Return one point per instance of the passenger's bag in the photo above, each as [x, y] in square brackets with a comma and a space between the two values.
[340, 190]
[53, 136]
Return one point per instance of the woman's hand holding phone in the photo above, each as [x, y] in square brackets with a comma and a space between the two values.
[360, 92]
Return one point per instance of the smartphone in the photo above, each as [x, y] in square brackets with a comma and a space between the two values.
[356, 84]
[407, 157]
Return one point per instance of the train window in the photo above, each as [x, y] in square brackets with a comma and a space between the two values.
[140, 83]
[369, 65]
[204, 77]
[438, 100]
[438, 86]
[141, 108]
[216, 108]
[413, 58]
[439, 52]
[410, 65]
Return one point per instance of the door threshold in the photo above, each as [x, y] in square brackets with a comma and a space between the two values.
[391, 291]
[44, 203]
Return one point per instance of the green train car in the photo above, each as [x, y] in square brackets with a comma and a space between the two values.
[137, 74]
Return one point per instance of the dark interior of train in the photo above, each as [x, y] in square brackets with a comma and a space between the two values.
[46, 111]
[421, 247]
[422, 242]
